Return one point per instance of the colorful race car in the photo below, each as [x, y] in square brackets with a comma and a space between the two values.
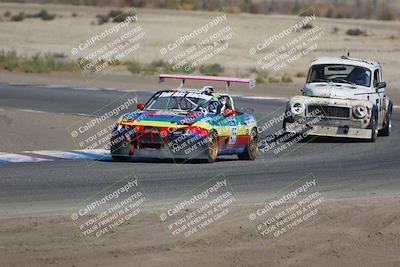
[187, 124]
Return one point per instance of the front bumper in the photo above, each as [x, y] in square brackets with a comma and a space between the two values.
[330, 131]
[191, 147]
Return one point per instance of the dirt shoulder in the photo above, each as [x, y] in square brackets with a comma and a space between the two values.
[28, 130]
[358, 232]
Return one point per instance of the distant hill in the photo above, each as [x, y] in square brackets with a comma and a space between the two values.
[358, 9]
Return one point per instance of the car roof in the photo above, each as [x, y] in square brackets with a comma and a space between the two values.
[369, 64]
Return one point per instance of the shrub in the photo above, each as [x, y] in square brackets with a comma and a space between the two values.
[159, 63]
[19, 17]
[163, 66]
[261, 77]
[286, 78]
[171, 4]
[307, 26]
[8, 60]
[301, 74]
[82, 62]
[232, 9]
[273, 80]
[187, 6]
[133, 66]
[185, 68]
[137, 3]
[44, 15]
[188, 69]
[335, 29]
[386, 13]
[356, 32]
[211, 69]
[7, 14]
[149, 69]
[37, 63]
[101, 19]
[114, 13]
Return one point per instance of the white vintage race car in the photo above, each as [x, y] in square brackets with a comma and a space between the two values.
[342, 97]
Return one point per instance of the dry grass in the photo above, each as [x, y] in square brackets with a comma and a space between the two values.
[33, 36]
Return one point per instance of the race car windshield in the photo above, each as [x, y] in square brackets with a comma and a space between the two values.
[178, 101]
[350, 74]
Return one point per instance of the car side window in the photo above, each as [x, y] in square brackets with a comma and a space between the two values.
[377, 78]
[228, 102]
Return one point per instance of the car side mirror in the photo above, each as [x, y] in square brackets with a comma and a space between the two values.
[229, 112]
[140, 106]
[381, 85]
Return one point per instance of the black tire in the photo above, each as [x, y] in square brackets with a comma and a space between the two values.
[250, 152]
[388, 125]
[373, 126]
[284, 124]
[212, 140]
[120, 151]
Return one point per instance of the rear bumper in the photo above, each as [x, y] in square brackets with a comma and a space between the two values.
[331, 131]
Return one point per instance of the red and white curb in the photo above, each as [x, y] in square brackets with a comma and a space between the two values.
[54, 155]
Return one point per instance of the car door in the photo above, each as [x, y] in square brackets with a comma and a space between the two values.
[235, 122]
[380, 97]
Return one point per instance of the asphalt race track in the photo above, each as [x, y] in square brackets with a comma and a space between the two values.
[343, 168]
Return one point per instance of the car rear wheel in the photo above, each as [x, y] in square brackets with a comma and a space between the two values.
[250, 152]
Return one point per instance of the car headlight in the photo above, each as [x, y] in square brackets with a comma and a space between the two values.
[181, 131]
[297, 108]
[360, 112]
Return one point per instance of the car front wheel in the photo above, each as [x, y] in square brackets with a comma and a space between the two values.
[374, 129]
[388, 126]
[212, 140]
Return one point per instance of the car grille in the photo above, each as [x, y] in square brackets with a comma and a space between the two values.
[150, 137]
[330, 111]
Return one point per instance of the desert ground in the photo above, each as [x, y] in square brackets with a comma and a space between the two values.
[32, 36]
[357, 232]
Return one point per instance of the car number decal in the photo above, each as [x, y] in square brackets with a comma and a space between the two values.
[233, 136]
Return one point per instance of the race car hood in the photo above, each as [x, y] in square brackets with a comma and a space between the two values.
[335, 90]
[161, 118]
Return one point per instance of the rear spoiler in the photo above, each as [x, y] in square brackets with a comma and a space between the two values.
[228, 80]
